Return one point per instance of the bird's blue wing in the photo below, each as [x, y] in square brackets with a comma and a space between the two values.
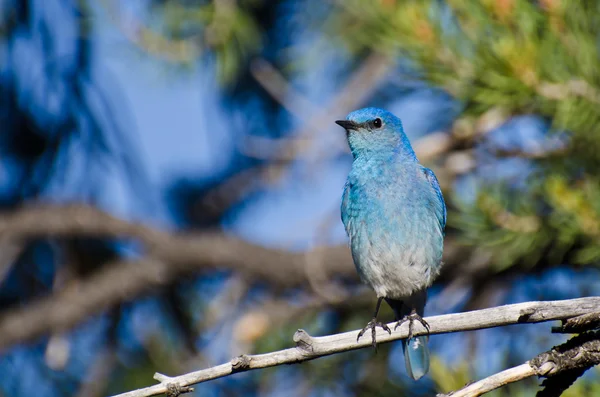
[441, 205]
[344, 208]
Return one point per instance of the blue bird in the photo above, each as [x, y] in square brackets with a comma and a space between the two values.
[394, 213]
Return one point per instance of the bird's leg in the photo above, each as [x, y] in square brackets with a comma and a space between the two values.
[413, 316]
[374, 324]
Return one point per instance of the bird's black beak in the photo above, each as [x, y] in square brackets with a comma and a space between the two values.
[347, 124]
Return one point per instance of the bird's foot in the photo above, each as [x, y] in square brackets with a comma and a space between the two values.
[411, 318]
[372, 325]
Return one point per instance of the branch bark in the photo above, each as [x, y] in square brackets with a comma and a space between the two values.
[309, 348]
[572, 358]
[494, 382]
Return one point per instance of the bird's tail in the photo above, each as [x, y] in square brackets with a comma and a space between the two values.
[416, 356]
[416, 351]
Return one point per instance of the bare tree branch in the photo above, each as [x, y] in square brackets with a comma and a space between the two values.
[579, 324]
[494, 381]
[578, 354]
[309, 348]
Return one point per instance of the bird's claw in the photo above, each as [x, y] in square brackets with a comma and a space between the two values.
[372, 325]
[411, 318]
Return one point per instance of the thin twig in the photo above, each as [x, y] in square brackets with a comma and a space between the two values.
[309, 348]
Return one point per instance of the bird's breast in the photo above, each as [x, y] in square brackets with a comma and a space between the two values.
[395, 238]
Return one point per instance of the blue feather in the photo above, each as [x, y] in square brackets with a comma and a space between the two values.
[416, 356]
[395, 215]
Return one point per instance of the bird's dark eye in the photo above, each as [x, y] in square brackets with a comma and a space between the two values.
[377, 123]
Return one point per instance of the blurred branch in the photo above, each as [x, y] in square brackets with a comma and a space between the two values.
[173, 49]
[561, 365]
[165, 258]
[99, 374]
[308, 347]
[278, 87]
[119, 282]
[10, 250]
[363, 82]
[189, 251]
[281, 152]
[500, 153]
[373, 69]
[433, 145]
[562, 91]
[278, 312]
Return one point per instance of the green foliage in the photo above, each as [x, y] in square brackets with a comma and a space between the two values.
[521, 57]
[225, 28]
[133, 377]
[447, 378]
[553, 220]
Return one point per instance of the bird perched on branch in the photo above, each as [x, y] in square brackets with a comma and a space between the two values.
[394, 213]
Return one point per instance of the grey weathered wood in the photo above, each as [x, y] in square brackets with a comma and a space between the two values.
[578, 353]
[309, 347]
[494, 382]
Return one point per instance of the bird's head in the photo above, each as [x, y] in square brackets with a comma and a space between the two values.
[375, 131]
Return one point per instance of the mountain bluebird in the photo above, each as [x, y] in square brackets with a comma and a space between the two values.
[395, 215]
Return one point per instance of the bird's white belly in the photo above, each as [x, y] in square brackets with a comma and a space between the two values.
[392, 268]
[394, 277]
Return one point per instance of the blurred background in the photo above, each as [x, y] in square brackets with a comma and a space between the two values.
[171, 177]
